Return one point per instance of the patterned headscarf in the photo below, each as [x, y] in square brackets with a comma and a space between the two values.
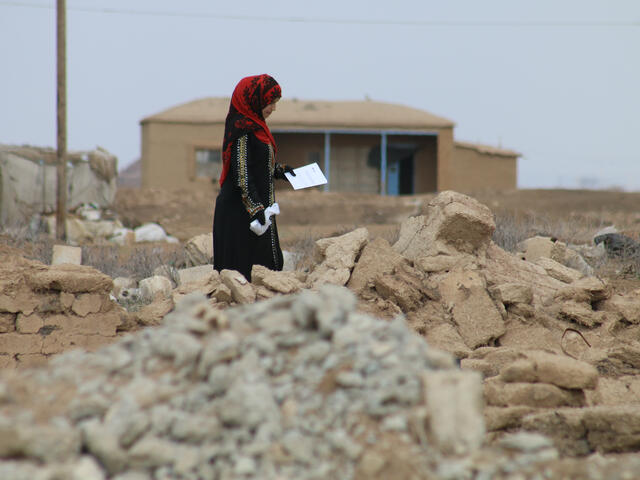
[250, 96]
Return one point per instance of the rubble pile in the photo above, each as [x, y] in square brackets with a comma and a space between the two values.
[295, 387]
[288, 375]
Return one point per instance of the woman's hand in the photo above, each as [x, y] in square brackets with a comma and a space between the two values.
[280, 170]
[260, 217]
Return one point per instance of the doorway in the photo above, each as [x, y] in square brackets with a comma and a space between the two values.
[400, 169]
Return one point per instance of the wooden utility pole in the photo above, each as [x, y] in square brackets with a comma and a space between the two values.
[61, 214]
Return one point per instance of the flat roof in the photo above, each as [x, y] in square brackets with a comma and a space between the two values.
[487, 149]
[312, 114]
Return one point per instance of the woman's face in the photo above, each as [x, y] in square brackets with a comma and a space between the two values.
[269, 109]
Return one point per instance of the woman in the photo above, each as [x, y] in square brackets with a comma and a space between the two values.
[246, 181]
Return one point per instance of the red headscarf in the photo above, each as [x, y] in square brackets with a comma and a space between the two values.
[250, 96]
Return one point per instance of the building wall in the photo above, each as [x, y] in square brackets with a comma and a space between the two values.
[351, 167]
[168, 158]
[474, 170]
[445, 173]
[168, 151]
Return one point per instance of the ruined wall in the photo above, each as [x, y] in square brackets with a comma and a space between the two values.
[45, 310]
[28, 181]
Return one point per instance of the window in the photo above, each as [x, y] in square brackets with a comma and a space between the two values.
[208, 163]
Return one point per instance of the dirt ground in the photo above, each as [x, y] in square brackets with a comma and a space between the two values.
[186, 212]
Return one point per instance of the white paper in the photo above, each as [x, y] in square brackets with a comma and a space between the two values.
[307, 176]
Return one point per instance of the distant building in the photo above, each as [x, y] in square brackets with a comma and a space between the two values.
[362, 146]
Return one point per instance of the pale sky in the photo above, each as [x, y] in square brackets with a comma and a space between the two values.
[557, 80]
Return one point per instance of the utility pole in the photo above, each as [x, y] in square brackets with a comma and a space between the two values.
[61, 214]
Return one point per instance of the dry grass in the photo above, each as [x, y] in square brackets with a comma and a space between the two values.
[512, 228]
[138, 261]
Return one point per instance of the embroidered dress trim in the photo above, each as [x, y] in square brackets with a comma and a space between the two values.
[272, 199]
[243, 177]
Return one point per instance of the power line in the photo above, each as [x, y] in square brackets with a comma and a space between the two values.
[339, 21]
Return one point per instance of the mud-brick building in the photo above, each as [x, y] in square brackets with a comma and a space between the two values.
[361, 146]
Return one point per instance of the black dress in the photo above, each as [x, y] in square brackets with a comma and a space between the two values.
[247, 189]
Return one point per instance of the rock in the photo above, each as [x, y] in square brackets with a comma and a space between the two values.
[543, 367]
[440, 263]
[474, 313]
[505, 418]
[542, 247]
[564, 426]
[453, 398]
[537, 395]
[241, 290]
[512, 293]
[559, 271]
[153, 313]
[280, 282]
[627, 305]
[66, 254]
[580, 313]
[150, 232]
[377, 258]
[336, 257]
[445, 337]
[453, 224]
[200, 275]
[403, 286]
[588, 289]
[69, 278]
[199, 250]
[156, 286]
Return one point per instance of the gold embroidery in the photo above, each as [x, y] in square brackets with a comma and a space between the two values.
[243, 176]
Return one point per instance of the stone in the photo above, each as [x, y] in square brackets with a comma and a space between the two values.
[565, 426]
[156, 286]
[454, 400]
[452, 224]
[86, 303]
[539, 246]
[280, 282]
[559, 271]
[66, 254]
[580, 313]
[201, 275]
[199, 250]
[8, 322]
[29, 323]
[477, 319]
[241, 290]
[537, 395]
[510, 293]
[69, 278]
[336, 257]
[505, 418]
[150, 232]
[559, 370]
[14, 343]
[377, 258]
[627, 305]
